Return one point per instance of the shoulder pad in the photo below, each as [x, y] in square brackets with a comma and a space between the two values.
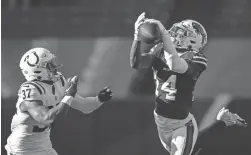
[31, 90]
[200, 59]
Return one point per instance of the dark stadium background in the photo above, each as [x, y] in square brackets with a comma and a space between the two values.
[92, 38]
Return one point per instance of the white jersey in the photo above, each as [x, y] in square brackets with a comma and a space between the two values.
[28, 135]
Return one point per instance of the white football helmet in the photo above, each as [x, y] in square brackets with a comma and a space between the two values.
[189, 35]
[38, 64]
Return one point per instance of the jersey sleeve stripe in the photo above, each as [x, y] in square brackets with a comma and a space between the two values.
[200, 58]
[201, 62]
[40, 86]
[40, 91]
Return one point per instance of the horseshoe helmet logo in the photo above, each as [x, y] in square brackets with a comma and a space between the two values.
[30, 64]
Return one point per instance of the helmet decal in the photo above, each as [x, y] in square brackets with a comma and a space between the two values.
[37, 59]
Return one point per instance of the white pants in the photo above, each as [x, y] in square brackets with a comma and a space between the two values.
[177, 136]
[23, 143]
[50, 151]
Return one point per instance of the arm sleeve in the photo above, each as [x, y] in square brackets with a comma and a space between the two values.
[86, 104]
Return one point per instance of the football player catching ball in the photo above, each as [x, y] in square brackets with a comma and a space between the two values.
[177, 61]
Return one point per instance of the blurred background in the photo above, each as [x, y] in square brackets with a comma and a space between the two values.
[92, 38]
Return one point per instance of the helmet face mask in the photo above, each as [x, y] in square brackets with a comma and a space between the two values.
[53, 67]
[39, 64]
[188, 35]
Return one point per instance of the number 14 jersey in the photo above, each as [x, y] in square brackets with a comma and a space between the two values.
[174, 91]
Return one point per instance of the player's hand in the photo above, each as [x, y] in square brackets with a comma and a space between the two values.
[137, 24]
[160, 25]
[73, 86]
[105, 94]
[241, 122]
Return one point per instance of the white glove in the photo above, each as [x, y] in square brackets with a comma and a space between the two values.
[137, 24]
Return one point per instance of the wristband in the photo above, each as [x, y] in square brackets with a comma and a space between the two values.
[67, 100]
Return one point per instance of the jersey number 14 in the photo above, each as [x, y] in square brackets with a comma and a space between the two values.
[168, 87]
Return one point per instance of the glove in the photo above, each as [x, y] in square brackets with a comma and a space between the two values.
[241, 122]
[72, 89]
[137, 24]
[105, 94]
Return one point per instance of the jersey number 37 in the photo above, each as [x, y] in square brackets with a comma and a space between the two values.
[26, 93]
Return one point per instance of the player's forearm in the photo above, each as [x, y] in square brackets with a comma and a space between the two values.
[168, 45]
[86, 104]
[174, 61]
[52, 113]
[135, 54]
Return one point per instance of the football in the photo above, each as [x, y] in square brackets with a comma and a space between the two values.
[149, 32]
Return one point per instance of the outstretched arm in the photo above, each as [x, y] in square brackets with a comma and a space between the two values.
[43, 114]
[86, 104]
[89, 104]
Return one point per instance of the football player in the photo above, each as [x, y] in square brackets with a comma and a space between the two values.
[44, 95]
[177, 62]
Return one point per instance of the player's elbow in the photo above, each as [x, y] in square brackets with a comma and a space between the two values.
[173, 66]
[133, 64]
[90, 108]
[84, 108]
[87, 111]
[178, 68]
[45, 120]
[178, 65]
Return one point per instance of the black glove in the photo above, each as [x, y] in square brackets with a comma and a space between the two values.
[105, 94]
[72, 89]
[242, 122]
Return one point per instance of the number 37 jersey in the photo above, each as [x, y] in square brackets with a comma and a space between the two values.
[28, 135]
[174, 90]
[49, 92]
